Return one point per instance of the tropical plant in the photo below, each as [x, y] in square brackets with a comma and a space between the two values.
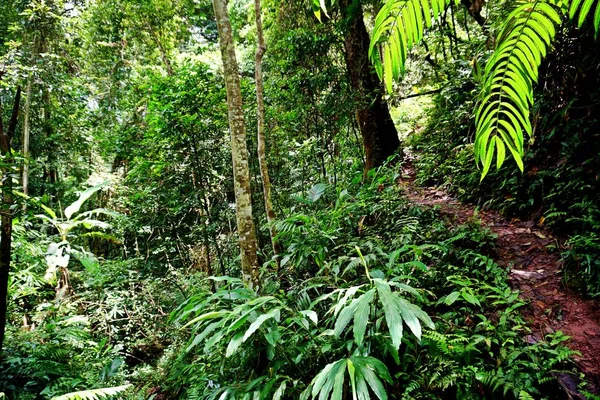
[93, 394]
[59, 254]
[503, 113]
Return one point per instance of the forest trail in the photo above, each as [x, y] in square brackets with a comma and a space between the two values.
[535, 271]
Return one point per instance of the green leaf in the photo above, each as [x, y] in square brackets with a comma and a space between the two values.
[469, 297]
[391, 310]
[259, 321]
[317, 191]
[278, 395]
[207, 331]
[451, 298]
[502, 116]
[361, 316]
[234, 344]
[93, 394]
[86, 194]
[205, 316]
[371, 369]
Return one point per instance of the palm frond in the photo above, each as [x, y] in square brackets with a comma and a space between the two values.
[502, 116]
[399, 25]
[582, 8]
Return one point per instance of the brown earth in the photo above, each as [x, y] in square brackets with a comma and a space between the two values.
[536, 272]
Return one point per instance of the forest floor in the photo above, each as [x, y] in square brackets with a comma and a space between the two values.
[535, 271]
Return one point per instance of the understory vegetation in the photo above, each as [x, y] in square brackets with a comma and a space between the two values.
[559, 186]
[183, 219]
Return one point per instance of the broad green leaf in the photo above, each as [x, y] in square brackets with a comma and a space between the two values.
[86, 194]
[259, 321]
[391, 310]
[317, 191]
[361, 316]
[451, 298]
[278, 395]
[234, 344]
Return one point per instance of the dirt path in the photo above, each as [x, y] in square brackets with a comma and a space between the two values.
[535, 271]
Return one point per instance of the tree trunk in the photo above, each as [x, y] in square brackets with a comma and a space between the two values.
[380, 138]
[239, 150]
[261, 48]
[161, 49]
[6, 220]
[26, 131]
[37, 46]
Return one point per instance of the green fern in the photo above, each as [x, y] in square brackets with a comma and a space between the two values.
[399, 25]
[94, 394]
[577, 7]
[502, 117]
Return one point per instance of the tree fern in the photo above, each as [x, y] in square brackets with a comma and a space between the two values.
[94, 394]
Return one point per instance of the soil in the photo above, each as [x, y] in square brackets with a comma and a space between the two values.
[535, 270]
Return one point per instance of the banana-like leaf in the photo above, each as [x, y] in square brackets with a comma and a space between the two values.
[86, 194]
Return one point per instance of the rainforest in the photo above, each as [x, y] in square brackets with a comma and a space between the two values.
[305, 199]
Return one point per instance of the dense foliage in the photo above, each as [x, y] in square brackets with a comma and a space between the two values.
[119, 194]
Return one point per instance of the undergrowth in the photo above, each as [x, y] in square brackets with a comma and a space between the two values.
[379, 299]
[560, 186]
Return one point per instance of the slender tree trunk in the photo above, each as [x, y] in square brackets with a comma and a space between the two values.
[261, 48]
[161, 49]
[380, 138]
[26, 131]
[37, 46]
[6, 210]
[48, 130]
[239, 150]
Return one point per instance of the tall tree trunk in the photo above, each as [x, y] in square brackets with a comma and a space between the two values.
[48, 130]
[239, 150]
[380, 138]
[26, 131]
[6, 210]
[261, 48]
[37, 46]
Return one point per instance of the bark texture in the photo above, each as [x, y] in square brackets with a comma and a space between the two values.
[380, 138]
[239, 150]
[6, 211]
[261, 48]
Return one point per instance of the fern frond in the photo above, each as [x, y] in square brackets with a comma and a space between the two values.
[502, 116]
[398, 26]
[582, 9]
[94, 394]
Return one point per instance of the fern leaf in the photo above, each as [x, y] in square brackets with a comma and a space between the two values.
[502, 116]
[94, 394]
[399, 25]
[583, 8]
